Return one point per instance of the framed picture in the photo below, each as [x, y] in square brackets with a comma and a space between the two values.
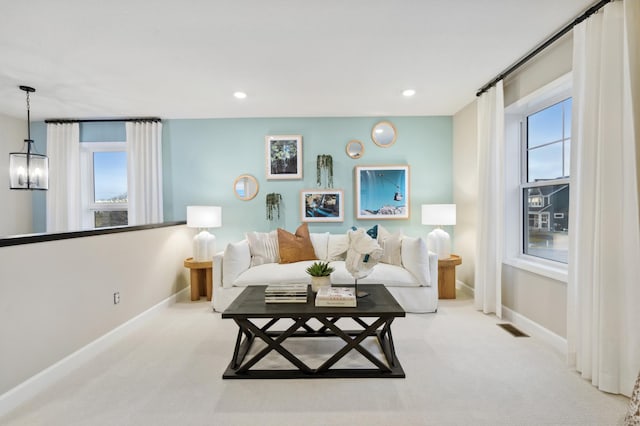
[284, 156]
[382, 192]
[322, 205]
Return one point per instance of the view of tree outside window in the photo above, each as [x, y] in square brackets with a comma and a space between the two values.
[545, 186]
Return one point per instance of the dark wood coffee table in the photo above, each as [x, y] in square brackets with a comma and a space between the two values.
[379, 308]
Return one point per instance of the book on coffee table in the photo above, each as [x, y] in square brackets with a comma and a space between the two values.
[336, 296]
[286, 293]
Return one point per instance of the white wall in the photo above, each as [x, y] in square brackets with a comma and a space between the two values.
[57, 296]
[465, 188]
[16, 205]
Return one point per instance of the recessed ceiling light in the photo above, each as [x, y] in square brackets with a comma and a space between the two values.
[408, 92]
[240, 95]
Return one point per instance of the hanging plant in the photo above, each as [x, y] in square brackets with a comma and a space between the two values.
[324, 165]
[273, 205]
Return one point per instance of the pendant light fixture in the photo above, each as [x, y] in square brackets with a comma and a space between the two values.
[28, 169]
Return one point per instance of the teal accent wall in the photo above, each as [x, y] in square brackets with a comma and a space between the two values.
[202, 158]
[39, 200]
[103, 131]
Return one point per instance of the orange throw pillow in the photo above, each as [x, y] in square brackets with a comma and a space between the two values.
[295, 247]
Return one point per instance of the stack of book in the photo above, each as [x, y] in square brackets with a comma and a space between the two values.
[336, 296]
[286, 293]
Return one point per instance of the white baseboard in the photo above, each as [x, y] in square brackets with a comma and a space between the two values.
[464, 288]
[534, 329]
[28, 389]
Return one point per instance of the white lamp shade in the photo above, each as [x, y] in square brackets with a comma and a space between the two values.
[439, 214]
[204, 216]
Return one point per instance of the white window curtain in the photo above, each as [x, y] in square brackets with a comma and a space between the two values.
[490, 220]
[144, 172]
[603, 310]
[63, 198]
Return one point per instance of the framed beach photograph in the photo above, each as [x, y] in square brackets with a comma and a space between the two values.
[382, 192]
[284, 156]
[322, 205]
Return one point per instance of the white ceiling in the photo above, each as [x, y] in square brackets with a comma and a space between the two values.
[294, 58]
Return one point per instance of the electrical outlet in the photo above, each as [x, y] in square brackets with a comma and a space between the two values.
[116, 297]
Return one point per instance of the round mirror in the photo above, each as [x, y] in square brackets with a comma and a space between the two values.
[245, 187]
[384, 134]
[355, 149]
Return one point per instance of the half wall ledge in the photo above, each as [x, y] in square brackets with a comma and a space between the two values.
[40, 238]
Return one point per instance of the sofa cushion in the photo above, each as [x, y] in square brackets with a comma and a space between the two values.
[236, 260]
[275, 273]
[415, 258]
[337, 247]
[391, 243]
[295, 247]
[382, 273]
[320, 242]
[263, 247]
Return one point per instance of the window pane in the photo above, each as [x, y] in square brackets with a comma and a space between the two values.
[545, 126]
[110, 177]
[545, 162]
[567, 157]
[106, 218]
[546, 211]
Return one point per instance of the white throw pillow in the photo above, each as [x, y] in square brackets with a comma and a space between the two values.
[320, 244]
[236, 260]
[263, 247]
[338, 246]
[415, 258]
[391, 244]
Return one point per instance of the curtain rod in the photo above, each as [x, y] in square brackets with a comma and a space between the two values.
[593, 9]
[101, 120]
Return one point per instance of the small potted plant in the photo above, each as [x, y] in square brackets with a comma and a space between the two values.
[320, 275]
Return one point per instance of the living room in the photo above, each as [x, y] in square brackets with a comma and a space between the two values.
[63, 305]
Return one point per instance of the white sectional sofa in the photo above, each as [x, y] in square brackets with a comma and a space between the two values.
[408, 269]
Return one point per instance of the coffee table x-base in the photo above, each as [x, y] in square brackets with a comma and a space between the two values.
[379, 308]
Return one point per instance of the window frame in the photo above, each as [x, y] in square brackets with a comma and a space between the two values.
[89, 206]
[516, 178]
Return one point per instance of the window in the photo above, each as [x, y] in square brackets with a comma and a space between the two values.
[104, 172]
[544, 186]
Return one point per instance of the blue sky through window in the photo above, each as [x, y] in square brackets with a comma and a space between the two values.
[548, 140]
[110, 175]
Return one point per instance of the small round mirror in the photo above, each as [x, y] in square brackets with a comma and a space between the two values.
[355, 149]
[384, 134]
[245, 187]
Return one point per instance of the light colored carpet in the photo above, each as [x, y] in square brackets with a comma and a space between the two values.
[461, 370]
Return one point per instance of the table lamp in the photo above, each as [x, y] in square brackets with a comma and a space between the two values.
[438, 241]
[204, 217]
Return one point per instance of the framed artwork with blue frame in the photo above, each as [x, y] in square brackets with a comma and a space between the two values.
[317, 205]
[382, 192]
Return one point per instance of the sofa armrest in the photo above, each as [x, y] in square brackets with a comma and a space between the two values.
[433, 268]
[217, 269]
[236, 260]
[416, 259]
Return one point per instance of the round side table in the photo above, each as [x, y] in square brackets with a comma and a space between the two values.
[201, 278]
[447, 276]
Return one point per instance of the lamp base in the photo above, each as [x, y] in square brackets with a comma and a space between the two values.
[439, 242]
[204, 246]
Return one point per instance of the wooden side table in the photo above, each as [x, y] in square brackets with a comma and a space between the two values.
[201, 278]
[447, 276]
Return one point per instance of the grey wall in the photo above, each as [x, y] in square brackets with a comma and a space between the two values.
[465, 190]
[56, 297]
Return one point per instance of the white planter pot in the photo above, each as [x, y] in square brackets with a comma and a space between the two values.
[317, 282]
